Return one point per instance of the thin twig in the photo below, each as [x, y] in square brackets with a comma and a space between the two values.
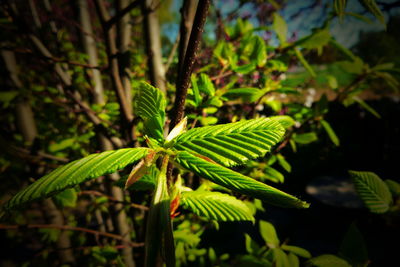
[71, 228]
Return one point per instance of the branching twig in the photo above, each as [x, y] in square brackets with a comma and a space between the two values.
[71, 228]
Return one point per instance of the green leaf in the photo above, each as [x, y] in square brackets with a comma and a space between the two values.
[195, 90]
[216, 206]
[293, 260]
[327, 260]
[353, 247]
[305, 138]
[268, 233]
[339, 6]
[63, 144]
[304, 62]
[316, 40]
[331, 133]
[297, 250]
[280, 27]
[259, 54]
[280, 258]
[6, 97]
[205, 85]
[394, 187]
[66, 198]
[372, 190]
[284, 120]
[367, 107]
[283, 162]
[373, 8]
[249, 94]
[232, 143]
[77, 172]
[273, 175]
[150, 106]
[236, 181]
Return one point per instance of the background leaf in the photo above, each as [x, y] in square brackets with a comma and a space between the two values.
[268, 233]
[372, 190]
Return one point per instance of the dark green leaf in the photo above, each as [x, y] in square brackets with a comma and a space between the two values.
[328, 260]
[372, 190]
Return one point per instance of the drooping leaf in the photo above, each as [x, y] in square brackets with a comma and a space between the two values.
[297, 250]
[372, 190]
[268, 233]
[232, 143]
[339, 6]
[280, 28]
[373, 8]
[150, 106]
[236, 181]
[331, 133]
[304, 62]
[77, 172]
[216, 206]
[327, 260]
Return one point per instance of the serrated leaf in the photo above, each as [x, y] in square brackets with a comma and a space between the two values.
[150, 106]
[268, 233]
[372, 190]
[297, 250]
[327, 260]
[236, 181]
[232, 143]
[280, 27]
[77, 172]
[331, 133]
[216, 206]
[373, 8]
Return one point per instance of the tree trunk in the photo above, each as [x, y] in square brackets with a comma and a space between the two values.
[26, 122]
[119, 215]
[153, 44]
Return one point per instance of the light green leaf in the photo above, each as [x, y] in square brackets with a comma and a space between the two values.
[249, 94]
[367, 107]
[66, 198]
[195, 90]
[305, 138]
[327, 260]
[236, 181]
[273, 175]
[280, 27]
[232, 143]
[268, 233]
[304, 62]
[394, 187]
[205, 85]
[216, 206]
[293, 260]
[259, 54]
[63, 144]
[373, 8]
[316, 40]
[150, 106]
[331, 133]
[297, 250]
[280, 258]
[372, 190]
[283, 162]
[284, 120]
[77, 172]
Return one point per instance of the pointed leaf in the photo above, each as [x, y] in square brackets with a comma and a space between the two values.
[232, 143]
[216, 206]
[331, 133]
[268, 233]
[77, 172]
[236, 181]
[150, 106]
[372, 190]
[280, 28]
[298, 251]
